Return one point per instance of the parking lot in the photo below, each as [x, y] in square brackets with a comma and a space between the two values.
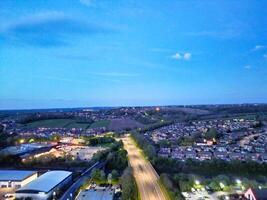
[204, 195]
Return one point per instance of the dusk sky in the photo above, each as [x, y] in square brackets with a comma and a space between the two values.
[56, 53]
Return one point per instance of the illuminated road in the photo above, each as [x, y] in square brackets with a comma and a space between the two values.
[145, 175]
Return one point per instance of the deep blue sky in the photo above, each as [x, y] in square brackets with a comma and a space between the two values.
[132, 52]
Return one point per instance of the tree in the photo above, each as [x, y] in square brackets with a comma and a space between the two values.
[117, 160]
[128, 184]
[150, 151]
[211, 133]
[98, 176]
[214, 186]
[115, 174]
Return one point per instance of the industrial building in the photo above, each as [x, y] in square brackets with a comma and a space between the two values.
[45, 186]
[16, 178]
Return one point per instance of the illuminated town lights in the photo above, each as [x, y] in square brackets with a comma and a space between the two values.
[31, 140]
[157, 109]
[197, 182]
[21, 141]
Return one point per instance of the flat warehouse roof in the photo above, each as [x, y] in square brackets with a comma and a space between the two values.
[15, 175]
[46, 182]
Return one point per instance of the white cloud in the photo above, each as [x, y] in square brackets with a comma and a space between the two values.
[177, 56]
[182, 56]
[258, 47]
[247, 67]
[187, 56]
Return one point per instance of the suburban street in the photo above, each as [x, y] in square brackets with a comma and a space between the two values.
[145, 175]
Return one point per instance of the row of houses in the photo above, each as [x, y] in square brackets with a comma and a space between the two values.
[200, 154]
[232, 130]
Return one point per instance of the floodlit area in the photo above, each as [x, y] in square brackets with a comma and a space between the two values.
[75, 152]
[84, 153]
[80, 152]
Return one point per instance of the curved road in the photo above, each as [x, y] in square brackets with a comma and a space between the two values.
[145, 175]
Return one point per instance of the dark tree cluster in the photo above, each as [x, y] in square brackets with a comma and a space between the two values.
[117, 160]
[128, 184]
[209, 168]
[144, 144]
[101, 140]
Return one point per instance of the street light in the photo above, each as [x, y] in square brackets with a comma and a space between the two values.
[197, 182]
[54, 195]
[238, 181]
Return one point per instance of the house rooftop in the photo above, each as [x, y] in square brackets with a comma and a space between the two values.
[15, 175]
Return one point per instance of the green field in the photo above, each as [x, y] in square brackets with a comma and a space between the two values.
[78, 125]
[58, 123]
[101, 123]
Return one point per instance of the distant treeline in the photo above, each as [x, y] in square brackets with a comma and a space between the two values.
[7, 140]
[155, 126]
[210, 168]
[249, 108]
